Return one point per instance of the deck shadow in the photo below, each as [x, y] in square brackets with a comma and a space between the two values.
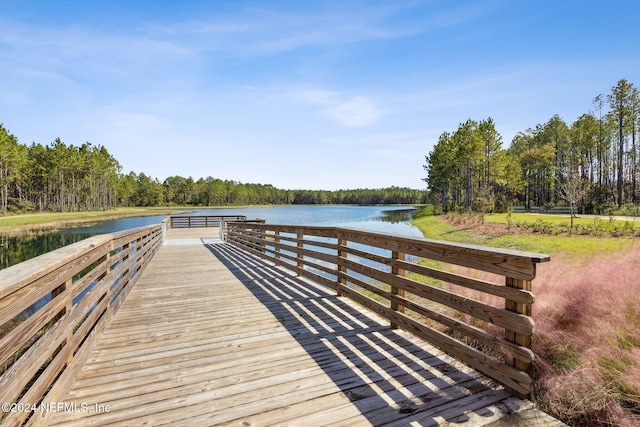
[389, 378]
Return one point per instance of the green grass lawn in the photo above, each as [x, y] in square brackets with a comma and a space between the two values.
[433, 227]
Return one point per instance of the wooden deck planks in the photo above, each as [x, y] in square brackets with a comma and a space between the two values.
[212, 336]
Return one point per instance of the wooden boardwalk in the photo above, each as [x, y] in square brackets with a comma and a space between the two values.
[212, 336]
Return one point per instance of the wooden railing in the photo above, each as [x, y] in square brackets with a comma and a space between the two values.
[51, 308]
[197, 221]
[441, 300]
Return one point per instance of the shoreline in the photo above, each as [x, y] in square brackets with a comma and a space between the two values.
[13, 225]
[50, 222]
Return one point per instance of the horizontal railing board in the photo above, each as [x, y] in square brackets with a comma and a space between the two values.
[505, 374]
[396, 242]
[316, 277]
[486, 287]
[512, 321]
[520, 265]
[17, 276]
[367, 255]
[470, 331]
[33, 288]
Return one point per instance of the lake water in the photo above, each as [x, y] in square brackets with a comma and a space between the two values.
[385, 219]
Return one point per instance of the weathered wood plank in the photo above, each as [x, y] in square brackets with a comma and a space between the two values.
[528, 418]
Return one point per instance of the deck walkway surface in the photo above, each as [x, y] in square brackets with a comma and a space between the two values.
[212, 336]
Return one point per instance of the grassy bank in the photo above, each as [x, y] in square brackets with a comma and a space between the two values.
[51, 221]
[434, 227]
[587, 315]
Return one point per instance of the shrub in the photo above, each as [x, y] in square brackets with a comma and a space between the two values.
[618, 229]
[584, 229]
[541, 226]
[598, 228]
[509, 220]
[628, 228]
[563, 227]
[524, 225]
[628, 209]
[605, 209]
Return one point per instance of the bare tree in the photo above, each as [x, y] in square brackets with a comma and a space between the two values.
[571, 189]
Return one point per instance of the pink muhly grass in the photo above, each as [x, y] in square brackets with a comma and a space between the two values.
[581, 398]
[587, 340]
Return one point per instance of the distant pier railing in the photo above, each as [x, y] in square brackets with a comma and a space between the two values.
[484, 323]
[197, 221]
[54, 305]
[202, 221]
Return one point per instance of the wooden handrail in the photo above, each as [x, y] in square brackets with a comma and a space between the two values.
[51, 308]
[382, 272]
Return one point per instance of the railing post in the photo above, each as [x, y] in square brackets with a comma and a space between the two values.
[276, 240]
[342, 270]
[523, 340]
[300, 245]
[164, 231]
[395, 290]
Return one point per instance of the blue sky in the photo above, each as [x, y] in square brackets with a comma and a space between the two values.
[301, 94]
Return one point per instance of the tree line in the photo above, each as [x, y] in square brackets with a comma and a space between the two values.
[142, 190]
[55, 177]
[67, 178]
[592, 163]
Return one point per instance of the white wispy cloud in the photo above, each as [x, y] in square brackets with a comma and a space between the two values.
[347, 110]
[78, 50]
[404, 139]
[356, 111]
[270, 31]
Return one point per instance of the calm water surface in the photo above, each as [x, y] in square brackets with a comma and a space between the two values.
[385, 219]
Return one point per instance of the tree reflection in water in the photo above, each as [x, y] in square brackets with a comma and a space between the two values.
[14, 250]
